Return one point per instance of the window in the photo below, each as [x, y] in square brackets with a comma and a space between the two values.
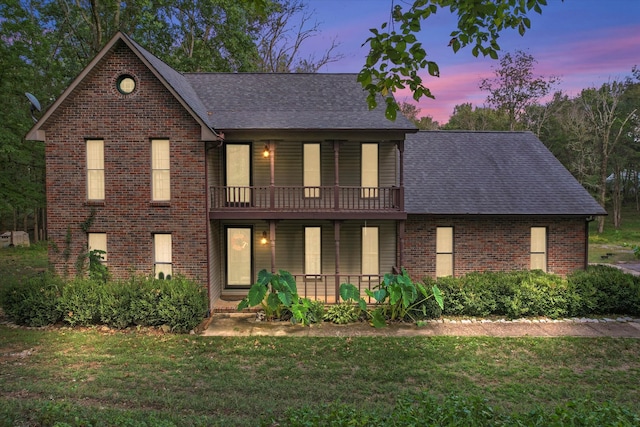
[311, 179]
[370, 251]
[312, 250]
[162, 255]
[369, 169]
[539, 248]
[444, 251]
[161, 174]
[98, 242]
[126, 84]
[238, 173]
[95, 169]
[239, 256]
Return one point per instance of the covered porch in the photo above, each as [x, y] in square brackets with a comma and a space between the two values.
[320, 254]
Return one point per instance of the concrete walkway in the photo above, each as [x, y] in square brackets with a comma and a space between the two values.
[245, 324]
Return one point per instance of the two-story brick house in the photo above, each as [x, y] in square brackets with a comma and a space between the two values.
[216, 176]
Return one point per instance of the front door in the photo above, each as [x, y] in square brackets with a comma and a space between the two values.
[239, 256]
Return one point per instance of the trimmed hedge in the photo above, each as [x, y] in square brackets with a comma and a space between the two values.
[600, 290]
[179, 303]
[33, 302]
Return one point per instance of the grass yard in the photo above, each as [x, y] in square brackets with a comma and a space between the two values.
[191, 380]
[620, 242]
[20, 262]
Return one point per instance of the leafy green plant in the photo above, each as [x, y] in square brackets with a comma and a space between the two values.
[400, 298]
[79, 302]
[350, 309]
[278, 296]
[34, 301]
[182, 303]
[342, 313]
[98, 271]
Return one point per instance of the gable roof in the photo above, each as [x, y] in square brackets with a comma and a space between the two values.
[300, 101]
[171, 79]
[254, 101]
[489, 173]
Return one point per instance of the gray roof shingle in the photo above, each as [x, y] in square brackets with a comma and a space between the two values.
[253, 101]
[489, 173]
[176, 80]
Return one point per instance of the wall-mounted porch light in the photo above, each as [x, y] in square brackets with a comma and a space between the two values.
[265, 152]
[263, 240]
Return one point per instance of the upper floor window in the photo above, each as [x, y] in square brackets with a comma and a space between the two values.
[311, 179]
[238, 173]
[162, 263]
[369, 171]
[539, 248]
[444, 251]
[95, 169]
[161, 173]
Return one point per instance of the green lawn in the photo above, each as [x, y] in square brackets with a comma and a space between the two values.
[619, 242]
[19, 262]
[193, 380]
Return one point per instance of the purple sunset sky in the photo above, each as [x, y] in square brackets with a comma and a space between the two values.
[584, 42]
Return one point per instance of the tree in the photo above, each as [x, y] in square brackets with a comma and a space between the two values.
[279, 41]
[467, 117]
[411, 112]
[515, 89]
[396, 57]
[608, 125]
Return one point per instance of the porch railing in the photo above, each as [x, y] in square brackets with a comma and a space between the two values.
[322, 287]
[306, 198]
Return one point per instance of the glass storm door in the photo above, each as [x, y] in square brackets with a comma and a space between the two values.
[239, 256]
[238, 173]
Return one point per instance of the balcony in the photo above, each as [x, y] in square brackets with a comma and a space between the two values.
[286, 201]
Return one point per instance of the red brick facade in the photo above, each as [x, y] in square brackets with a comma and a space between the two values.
[127, 124]
[95, 109]
[494, 243]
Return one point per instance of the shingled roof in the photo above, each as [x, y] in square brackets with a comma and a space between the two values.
[301, 101]
[489, 173]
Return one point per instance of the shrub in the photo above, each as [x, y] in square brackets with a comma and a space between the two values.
[33, 302]
[115, 304]
[144, 308]
[342, 313]
[79, 302]
[607, 290]
[182, 303]
[400, 298]
[535, 293]
[277, 294]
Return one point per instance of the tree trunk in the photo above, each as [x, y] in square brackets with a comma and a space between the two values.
[616, 198]
[603, 188]
[36, 226]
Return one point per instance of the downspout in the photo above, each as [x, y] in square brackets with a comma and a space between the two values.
[586, 240]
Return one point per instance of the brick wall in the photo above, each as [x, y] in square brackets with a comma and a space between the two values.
[127, 124]
[493, 243]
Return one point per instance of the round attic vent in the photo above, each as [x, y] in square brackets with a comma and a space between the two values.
[126, 84]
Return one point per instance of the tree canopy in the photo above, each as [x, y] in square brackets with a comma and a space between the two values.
[396, 57]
